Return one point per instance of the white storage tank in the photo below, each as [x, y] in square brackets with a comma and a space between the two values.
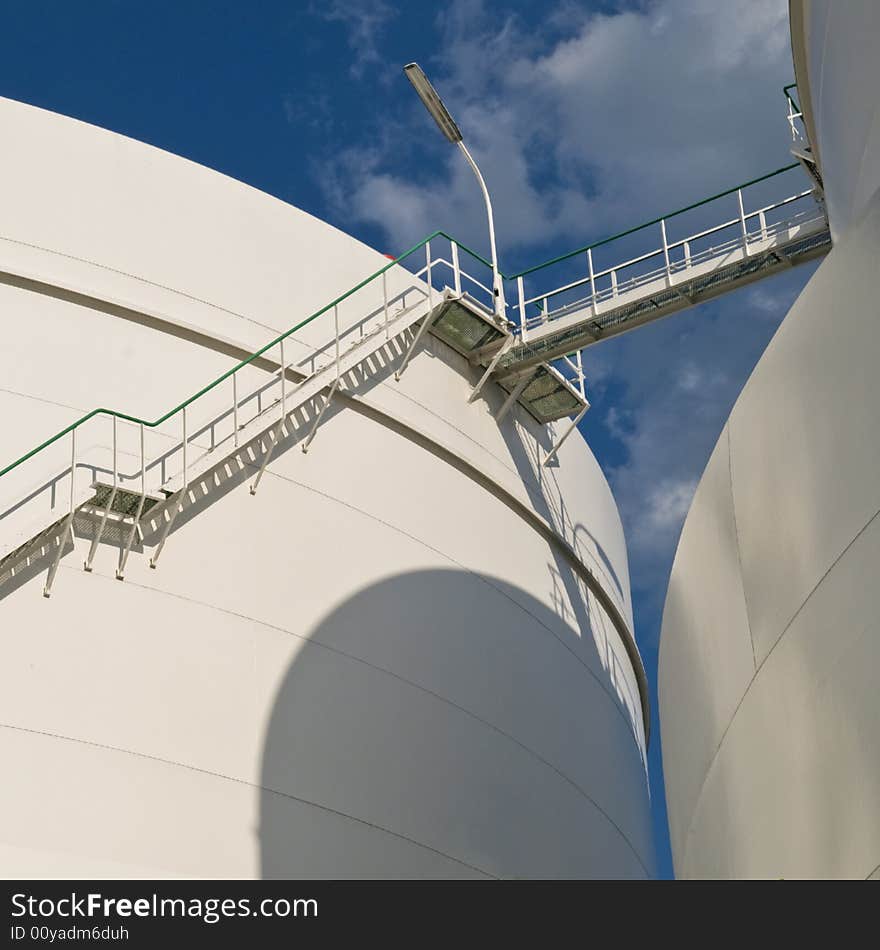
[769, 707]
[408, 654]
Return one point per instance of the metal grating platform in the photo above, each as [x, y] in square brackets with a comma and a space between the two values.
[580, 328]
[546, 396]
[464, 328]
[124, 502]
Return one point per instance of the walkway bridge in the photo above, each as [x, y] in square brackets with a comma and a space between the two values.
[723, 243]
[115, 478]
[673, 275]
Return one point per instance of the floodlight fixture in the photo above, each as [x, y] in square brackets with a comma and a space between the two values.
[432, 102]
[451, 132]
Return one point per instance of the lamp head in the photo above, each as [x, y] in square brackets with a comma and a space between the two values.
[432, 102]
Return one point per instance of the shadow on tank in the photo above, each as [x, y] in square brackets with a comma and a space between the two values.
[446, 724]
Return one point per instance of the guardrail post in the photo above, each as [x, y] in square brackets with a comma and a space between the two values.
[428, 274]
[235, 408]
[336, 331]
[178, 507]
[762, 218]
[666, 252]
[613, 283]
[792, 115]
[96, 540]
[580, 366]
[523, 331]
[330, 395]
[742, 220]
[120, 571]
[456, 268]
[385, 303]
[68, 524]
[185, 466]
[592, 274]
[687, 254]
[283, 382]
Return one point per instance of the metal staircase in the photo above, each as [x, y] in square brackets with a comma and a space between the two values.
[128, 509]
[117, 490]
[244, 415]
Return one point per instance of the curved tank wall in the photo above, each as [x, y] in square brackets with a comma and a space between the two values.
[769, 709]
[835, 53]
[391, 661]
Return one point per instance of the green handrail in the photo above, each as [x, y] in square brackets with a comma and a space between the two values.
[647, 224]
[165, 416]
[283, 336]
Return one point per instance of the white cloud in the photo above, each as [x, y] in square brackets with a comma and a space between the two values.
[590, 124]
[587, 125]
[763, 300]
[667, 504]
[690, 377]
[364, 23]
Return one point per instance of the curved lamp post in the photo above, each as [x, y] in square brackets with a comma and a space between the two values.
[434, 104]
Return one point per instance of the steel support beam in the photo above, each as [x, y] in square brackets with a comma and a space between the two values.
[475, 357]
[273, 435]
[62, 540]
[423, 329]
[515, 393]
[172, 517]
[552, 453]
[490, 369]
[320, 415]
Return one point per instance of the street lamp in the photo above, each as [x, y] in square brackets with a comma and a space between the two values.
[434, 104]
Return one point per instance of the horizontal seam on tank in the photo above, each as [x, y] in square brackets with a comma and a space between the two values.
[143, 280]
[536, 521]
[427, 409]
[61, 405]
[412, 684]
[48, 402]
[164, 325]
[510, 470]
[779, 639]
[240, 781]
[523, 509]
[173, 290]
[615, 700]
[496, 458]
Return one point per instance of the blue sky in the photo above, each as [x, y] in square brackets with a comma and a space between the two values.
[585, 117]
